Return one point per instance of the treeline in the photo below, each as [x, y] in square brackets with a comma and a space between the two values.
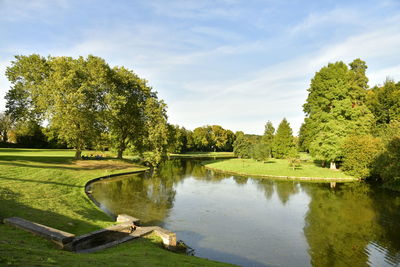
[84, 103]
[273, 144]
[206, 138]
[351, 125]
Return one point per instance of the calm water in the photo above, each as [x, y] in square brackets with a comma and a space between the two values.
[255, 222]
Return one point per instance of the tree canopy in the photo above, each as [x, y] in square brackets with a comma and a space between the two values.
[84, 101]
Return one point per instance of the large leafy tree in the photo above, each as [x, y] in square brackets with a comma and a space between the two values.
[63, 90]
[283, 141]
[335, 108]
[73, 90]
[124, 109]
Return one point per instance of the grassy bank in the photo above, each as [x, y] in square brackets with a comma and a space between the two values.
[274, 168]
[203, 155]
[47, 186]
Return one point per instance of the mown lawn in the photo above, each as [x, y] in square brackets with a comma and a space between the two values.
[47, 186]
[204, 155]
[274, 167]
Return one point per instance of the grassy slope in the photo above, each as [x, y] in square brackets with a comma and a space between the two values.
[47, 187]
[275, 167]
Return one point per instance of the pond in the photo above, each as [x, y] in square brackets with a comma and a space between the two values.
[262, 222]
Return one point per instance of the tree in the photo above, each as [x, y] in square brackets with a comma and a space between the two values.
[335, 108]
[283, 141]
[387, 165]
[294, 158]
[268, 137]
[157, 131]
[261, 152]
[384, 102]
[242, 147]
[30, 134]
[123, 113]
[64, 90]
[5, 126]
[27, 75]
[360, 153]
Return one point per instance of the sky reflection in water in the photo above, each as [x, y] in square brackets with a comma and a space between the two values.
[258, 222]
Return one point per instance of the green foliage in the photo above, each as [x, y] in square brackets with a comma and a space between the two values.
[387, 165]
[268, 137]
[5, 126]
[157, 131]
[359, 154]
[283, 140]
[335, 108]
[261, 152]
[242, 147]
[124, 114]
[30, 134]
[86, 103]
[384, 102]
[294, 158]
[212, 138]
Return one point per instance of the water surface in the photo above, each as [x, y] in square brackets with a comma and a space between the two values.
[259, 222]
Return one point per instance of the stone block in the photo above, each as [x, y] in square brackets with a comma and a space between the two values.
[59, 237]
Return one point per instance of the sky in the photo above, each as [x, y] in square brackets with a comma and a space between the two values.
[233, 63]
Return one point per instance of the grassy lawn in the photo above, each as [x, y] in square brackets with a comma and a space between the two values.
[47, 186]
[274, 167]
[204, 155]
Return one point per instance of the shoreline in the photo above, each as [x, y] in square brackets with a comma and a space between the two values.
[289, 178]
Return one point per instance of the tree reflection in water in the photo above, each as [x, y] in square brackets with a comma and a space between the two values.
[353, 224]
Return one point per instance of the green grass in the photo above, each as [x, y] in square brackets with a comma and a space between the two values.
[47, 186]
[204, 155]
[274, 167]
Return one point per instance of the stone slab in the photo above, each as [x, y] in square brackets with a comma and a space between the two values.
[57, 236]
[124, 218]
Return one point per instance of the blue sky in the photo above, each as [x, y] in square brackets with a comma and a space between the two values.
[228, 62]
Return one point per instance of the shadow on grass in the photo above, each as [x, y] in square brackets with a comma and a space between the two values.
[38, 181]
[11, 207]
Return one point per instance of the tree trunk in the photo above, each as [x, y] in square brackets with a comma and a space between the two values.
[323, 164]
[119, 155]
[78, 154]
[333, 165]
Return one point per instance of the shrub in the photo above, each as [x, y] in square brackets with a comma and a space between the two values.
[359, 155]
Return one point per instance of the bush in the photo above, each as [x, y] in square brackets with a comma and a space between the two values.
[387, 165]
[261, 152]
[359, 155]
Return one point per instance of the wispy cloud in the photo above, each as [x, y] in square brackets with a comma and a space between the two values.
[214, 65]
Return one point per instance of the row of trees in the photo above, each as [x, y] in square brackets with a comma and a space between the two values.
[86, 103]
[350, 124]
[277, 144]
[205, 138]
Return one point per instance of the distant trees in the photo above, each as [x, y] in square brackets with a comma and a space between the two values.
[279, 144]
[86, 102]
[212, 138]
[5, 126]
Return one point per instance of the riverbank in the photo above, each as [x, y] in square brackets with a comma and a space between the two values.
[279, 169]
[47, 187]
[203, 155]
